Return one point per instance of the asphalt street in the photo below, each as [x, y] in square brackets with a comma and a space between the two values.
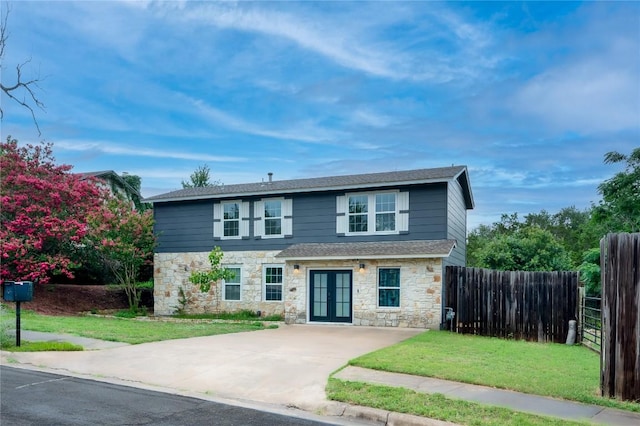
[38, 398]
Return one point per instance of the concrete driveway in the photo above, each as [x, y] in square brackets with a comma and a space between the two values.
[286, 366]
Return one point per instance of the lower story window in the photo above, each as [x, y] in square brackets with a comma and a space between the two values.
[232, 286]
[389, 287]
[272, 282]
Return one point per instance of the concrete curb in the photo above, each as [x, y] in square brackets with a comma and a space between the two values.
[390, 418]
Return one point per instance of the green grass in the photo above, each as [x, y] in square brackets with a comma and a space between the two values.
[435, 406]
[130, 330]
[39, 346]
[560, 371]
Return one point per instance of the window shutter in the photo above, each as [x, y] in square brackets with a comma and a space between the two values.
[258, 219]
[403, 211]
[244, 219]
[341, 214]
[287, 217]
[217, 221]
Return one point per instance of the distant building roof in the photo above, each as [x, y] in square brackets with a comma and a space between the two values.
[110, 175]
[369, 250]
[360, 181]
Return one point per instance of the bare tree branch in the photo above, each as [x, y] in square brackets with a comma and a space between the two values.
[21, 91]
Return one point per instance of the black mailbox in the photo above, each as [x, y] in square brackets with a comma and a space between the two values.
[17, 291]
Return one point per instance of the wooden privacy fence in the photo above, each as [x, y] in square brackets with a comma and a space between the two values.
[535, 306]
[620, 355]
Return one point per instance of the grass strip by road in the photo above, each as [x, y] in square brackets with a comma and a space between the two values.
[556, 370]
[132, 331]
[10, 345]
[435, 406]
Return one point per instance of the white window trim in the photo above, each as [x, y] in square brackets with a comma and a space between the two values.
[223, 220]
[379, 288]
[371, 213]
[286, 218]
[218, 220]
[264, 282]
[224, 285]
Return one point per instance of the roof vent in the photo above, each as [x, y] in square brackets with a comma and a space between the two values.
[270, 177]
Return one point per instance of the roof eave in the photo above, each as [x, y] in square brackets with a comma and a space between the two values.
[466, 186]
[367, 257]
[298, 190]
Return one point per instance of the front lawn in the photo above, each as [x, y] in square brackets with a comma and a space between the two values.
[560, 371]
[435, 406]
[129, 330]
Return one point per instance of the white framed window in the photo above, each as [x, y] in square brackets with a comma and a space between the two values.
[388, 287]
[233, 286]
[272, 279]
[273, 218]
[231, 220]
[358, 213]
[369, 213]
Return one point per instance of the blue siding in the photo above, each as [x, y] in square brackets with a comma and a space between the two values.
[188, 226]
[457, 224]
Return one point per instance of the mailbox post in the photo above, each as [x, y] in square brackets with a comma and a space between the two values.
[17, 291]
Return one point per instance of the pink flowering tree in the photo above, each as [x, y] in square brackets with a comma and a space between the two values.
[43, 214]
[125, 241]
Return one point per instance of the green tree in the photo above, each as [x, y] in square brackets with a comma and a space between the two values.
[135, 182]
[216, 272]
[200, 178]
[530, 248]
[568, 226]
[590, 272]
[125, 241]
[484, 234]
[619, 209]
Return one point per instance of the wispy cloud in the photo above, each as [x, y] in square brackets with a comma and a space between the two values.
[160, 152]
[357, 38]
[305, 131]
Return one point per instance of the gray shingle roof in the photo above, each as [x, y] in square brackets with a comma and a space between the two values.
[369, 250]
[441, 174]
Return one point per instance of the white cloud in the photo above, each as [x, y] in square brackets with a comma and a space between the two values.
[591, 82]
[305, 131]
[116, 149]
[587, 96]
[357, 38]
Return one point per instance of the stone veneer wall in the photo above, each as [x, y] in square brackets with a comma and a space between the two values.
[420, 288]
[172, 270]
[420, 292]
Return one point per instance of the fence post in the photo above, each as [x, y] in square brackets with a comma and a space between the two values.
[620, 265]
[581, 295]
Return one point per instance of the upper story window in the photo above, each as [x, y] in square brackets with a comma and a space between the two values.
[373, 213]
[231, 220]
[358, 213]
[385, 212]
[273, 218]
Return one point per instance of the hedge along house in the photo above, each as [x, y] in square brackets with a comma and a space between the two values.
[366, 249]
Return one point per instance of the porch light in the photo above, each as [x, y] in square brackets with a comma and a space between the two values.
[296, 269]
[362, 267]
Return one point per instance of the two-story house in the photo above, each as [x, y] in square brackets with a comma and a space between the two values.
[366, 249]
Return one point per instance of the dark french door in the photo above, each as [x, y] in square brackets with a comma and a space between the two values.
[330, 296]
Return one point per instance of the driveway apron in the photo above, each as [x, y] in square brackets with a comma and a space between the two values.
[288, 365]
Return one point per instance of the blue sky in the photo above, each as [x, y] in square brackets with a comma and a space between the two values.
[529, 96]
